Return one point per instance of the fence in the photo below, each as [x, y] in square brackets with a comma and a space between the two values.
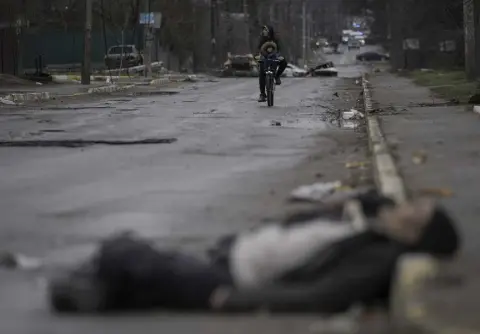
[8, 51]
[66, 47]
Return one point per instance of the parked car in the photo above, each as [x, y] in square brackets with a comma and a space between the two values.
[372, 56]
[123, 56]
[328, 50]
[294, 71]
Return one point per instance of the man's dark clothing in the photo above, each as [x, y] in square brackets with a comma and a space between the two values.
[282, 64]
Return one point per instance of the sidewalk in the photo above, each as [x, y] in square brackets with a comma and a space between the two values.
[23, 93]
[59, 89]
[437, 150]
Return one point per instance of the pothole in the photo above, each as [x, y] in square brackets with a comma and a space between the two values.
[76, 108]
[154, 93]
[73, 143]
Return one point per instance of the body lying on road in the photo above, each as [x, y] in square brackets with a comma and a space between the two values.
[316, 265]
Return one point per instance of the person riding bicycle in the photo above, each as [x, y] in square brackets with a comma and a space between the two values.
[268, 36]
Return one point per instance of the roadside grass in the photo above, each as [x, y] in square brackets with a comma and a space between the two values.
[447, 84]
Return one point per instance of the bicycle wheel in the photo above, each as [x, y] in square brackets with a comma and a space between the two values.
[270, 89]
[270, 96]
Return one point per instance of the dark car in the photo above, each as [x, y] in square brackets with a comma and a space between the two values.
[372, 56]
[123, 56]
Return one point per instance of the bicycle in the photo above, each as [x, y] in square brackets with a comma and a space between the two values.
[271, 64]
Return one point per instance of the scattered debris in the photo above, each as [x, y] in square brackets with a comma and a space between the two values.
[349, 125]
[276, 123]
[17, 261]
[357, 164]
[346, 323]
[315, 192]
[438, 192]
[419, 157]
[336, 94]
[191, 78]
[474, 99]
[452, 102]
[83, 143]
[352, 114]
[6, 101]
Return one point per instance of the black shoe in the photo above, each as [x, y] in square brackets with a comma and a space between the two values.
[262, 98]
[278, 81]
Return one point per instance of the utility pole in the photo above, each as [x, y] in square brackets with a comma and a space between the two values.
[247, 23]
[476, 11]
[87, 46]
[147, 54]
[471, 10]
[213, 13]
[304, 32]
[396, 19]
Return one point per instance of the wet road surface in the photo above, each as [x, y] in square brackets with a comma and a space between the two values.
[226, 172]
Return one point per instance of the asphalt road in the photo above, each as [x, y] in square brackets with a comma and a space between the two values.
[228, 170]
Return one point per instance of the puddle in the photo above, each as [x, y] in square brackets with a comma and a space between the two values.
[77, 108]
[153, 93]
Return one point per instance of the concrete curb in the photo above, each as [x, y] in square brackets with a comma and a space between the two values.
[386, 175]
[24, 97]
[46, 96]
[77, 78]
[161, 81]
[414, 272]
[109, 89]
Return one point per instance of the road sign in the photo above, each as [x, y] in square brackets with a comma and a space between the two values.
[147, 18]
[153, 19]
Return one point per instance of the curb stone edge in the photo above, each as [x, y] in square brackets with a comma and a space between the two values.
[414, 271]
[46, 96]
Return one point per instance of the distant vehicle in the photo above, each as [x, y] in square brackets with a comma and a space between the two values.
[294, 71]
[354, 44]
[240, 65]
[123, 56]
[328, 50]
[372, 56]
[361, 39]
[324, 42]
